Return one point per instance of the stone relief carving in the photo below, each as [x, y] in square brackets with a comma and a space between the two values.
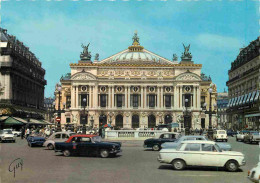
[75, 118]
[187, 77]
[84, 76]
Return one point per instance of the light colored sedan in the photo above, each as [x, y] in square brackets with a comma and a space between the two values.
[173, 145]
[254, 174]
[201, 153]
[57, 137]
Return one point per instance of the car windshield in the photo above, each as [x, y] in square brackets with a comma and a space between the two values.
[221, 132]
[218, 148]
[8, 131]
[255, 133]
[96, 139]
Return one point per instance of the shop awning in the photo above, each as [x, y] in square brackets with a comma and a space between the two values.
[252, 115]
[36, 122]
[2, 118]
[46, 122]
[257, 96]
[21, 120]
[248, 98]
[238, 100]
[245, 98]
[229, 102]
[241, 100]
[252, 96]
[11, 121]
[234, 102]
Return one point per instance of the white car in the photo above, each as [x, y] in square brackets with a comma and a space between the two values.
[254, 174]
[201, 153]
[6, 135]
[16, 133]
[57, 137]
[220, 135]
[240, 136]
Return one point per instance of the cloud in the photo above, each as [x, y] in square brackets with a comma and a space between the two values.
[218, 42]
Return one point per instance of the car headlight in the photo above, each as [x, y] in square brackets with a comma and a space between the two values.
[32, 140]
[114, 146]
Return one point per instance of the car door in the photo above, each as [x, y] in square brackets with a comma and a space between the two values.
[209, 155]
[191, 154]
[85, 146]
[57, 137]
[64, 137]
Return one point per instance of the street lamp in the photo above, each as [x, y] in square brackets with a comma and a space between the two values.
[28, 121]
[59, 112]
[210, 112]
[186, 115]
[84, 118]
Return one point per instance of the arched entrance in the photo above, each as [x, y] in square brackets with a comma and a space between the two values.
[135, 121]
[102, 120]
[119, 121]
[151, 121]
[167, 119]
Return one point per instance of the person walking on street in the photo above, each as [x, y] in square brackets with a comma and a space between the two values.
[22, 132]
[201, 131]
[27, 132]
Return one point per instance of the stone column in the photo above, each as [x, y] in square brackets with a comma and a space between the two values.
[109, 97]
[142, 97]
[162, 106]
[73, 96]
[129, 96]
[125, 97]
[198, 97]
[158, 97]
[176, 94]
[90, 96]
[77, 97]
[180, 96]
[194, 97]
[113, 97]
[145, 97]
[95, 96]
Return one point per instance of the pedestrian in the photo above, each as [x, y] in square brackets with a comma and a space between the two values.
[175, 130]
[100, 132]
[201, 131]
[27, 133]
[22, 132]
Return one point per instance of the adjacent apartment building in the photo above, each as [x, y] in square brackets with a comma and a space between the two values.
[243, 89]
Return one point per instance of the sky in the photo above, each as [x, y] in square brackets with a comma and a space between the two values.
[55, 29]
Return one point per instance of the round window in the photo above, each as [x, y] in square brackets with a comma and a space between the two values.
[152, 89]
[135, 89]
[103, 88]
[83, 88]
[168, 89]
[119, 89]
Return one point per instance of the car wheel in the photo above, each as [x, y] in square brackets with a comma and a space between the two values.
[50, 146]
[156, 147]
[30, 144]
[13, 141]
[66, 153]
[232, 166]
[104, 153]
[178, 164]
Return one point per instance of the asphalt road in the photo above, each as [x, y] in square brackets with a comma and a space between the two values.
[134, 164]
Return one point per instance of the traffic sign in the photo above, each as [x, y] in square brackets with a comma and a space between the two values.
[58, 119]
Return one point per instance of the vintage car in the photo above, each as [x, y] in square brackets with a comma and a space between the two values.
[240, 136]
[173, 145]
[201, 153]
[231, 133]
[87, 145]
[254, 174]
[15, 132]
[57, 137]
[6, 136]
[155, 143]
[220, 135]
[252, 137]
[35, 140]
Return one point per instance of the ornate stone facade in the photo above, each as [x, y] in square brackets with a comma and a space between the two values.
[136, 88]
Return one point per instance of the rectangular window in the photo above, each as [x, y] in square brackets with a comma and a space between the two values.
[192, 147]
[151, 100]
[103, 100]
[202, 101]
[82, 96]
[168, 101]
[67, 120]
[68, 102]
[119, 101]
[135, 100]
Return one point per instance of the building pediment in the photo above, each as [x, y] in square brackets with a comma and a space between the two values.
[188, 76]
[83, 76]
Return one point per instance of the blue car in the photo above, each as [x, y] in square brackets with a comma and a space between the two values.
[35, 141]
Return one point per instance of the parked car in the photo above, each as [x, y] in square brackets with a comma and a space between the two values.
[201, 153]
[7, 136]
[254, 174]
[240, 136]
[87, 145]
[57, 137]
[16, 133]
[173, 145]
[231, 133]
[35, 140]
[252, 137]
[220, 135]
[155, 143]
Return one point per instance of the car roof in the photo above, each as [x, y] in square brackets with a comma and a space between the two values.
[197, 142]
[83, 135]
[170, 133]
[193, 136]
